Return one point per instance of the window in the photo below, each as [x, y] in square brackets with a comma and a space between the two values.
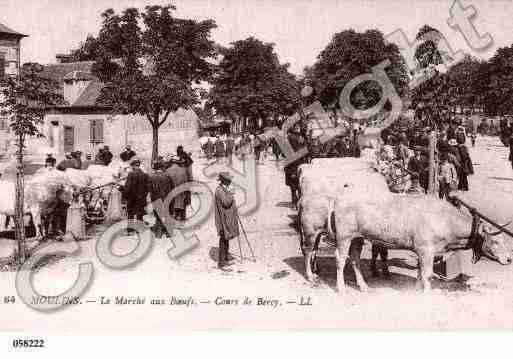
[2, 65]
[96, 131]
[4, 124]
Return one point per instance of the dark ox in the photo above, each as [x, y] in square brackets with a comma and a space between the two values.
[422, 224]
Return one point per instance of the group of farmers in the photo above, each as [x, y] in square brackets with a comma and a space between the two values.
[455, 163]
[167, 175]
[74, 159]
[223, 147]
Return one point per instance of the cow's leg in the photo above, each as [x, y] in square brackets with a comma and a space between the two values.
[309, 257]
[341, 256]
[384, 258]
[375, 253]
[426, 260]
[356, 252]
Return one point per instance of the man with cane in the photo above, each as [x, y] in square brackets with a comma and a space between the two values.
[226, 217]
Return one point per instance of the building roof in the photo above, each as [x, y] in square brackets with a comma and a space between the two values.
[77, 71]
[79, 76]
[58, 72]
[4, 30]
[90, 95]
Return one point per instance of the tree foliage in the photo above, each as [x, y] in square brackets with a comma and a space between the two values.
[252, 84]
[89, 50]
[149, 61]
[497, 82]
[24, 100]
[350, 54]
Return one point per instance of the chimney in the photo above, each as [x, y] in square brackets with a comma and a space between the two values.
[63, 58]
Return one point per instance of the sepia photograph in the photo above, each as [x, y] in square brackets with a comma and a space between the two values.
[294, 165]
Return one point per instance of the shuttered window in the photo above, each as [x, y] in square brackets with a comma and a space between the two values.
[4, 124]
[96, 131]
[2, 65]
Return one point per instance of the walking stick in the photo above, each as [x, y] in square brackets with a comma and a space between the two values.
[240, 248]
[246, 237]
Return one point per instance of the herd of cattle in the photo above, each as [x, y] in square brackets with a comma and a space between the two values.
[345, 201]
[42, 186]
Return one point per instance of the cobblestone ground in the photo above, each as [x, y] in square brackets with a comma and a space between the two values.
[485, 301]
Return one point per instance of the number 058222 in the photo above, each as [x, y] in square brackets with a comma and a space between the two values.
[28, 343]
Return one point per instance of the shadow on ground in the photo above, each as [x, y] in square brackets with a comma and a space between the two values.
[328, 275]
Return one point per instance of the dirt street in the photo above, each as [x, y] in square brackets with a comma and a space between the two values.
[194, 290]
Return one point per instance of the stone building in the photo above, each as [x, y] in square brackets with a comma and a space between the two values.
[83, 125]
[10, 48]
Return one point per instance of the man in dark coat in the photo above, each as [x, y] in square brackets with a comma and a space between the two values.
[107, 155]
[466, 167]
[230, 145]
[77, 157]
[160, 186]
[99, 158]
[50, 161]
[226, 217]
[297, 142]
[127, 154]
[511, 149]
[451, 132]
[67, 162]
[185, 161]
[179, 176]
[418, 164]
[136, 190]
[53, 214]
[219, 149]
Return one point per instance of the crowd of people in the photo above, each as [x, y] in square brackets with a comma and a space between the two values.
[168, 174]
[455, 163]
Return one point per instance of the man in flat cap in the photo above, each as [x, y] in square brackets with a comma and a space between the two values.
[50, 161]
[226, 217]
[127, 154]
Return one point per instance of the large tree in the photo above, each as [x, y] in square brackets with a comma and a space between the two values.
[89, 50]
[251, 83]
[350, 54]
[434, 97]
[498, 94]
[150, 61]
[23, 99]
[466, 83]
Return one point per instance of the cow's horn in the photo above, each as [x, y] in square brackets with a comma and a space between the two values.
[499, 231]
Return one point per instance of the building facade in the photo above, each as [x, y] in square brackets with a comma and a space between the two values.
[83, 125]
[10, 50]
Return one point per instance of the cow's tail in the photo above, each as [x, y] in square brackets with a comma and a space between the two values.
[300, 228]
[332, 230]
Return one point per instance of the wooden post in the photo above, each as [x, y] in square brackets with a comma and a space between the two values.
[432, 163]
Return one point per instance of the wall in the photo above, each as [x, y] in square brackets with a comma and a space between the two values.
[119, 130]
[10, 49]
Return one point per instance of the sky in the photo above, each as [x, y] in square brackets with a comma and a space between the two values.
[299, 28]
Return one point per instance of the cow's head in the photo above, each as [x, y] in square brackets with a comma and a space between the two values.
[494, 244]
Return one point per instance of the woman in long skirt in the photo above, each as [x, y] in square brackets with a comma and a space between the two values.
[75, 222]
[114, 208]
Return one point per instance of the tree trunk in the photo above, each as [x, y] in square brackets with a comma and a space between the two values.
[155, 149]
[19, 223]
